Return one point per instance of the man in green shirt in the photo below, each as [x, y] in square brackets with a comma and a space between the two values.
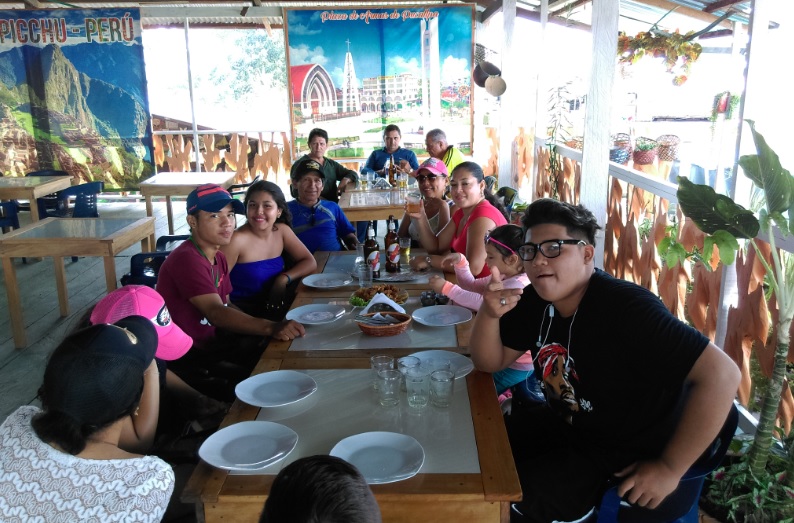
[333, 171]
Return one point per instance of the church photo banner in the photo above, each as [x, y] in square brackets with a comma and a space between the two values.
[73, 95]
[352, 72]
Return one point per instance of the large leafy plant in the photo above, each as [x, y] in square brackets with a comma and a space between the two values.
[725, 222]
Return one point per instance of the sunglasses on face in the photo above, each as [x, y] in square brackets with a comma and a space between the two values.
[429, 177]
[549, 248]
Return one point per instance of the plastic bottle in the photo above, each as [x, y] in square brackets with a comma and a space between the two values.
[372, 251]
[392, 244]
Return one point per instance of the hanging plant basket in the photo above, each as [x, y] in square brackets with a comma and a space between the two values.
[645, 151]
[668, 147]
[678, 51]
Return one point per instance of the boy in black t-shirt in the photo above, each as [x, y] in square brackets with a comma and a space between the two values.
[630, 390]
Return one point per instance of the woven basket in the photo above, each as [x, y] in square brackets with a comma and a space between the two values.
[645, 156]
[668, 147]
[386, 330]
[619, 155]
[623, 141]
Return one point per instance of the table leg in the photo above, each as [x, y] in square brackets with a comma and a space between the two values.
[34, 210]
[60, 283]
[170, 212]
[149, 212]
[110, 272]
[14, 304]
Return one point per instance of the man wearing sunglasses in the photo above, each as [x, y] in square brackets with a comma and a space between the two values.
[644, 394]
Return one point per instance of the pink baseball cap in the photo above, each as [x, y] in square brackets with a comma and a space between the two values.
[140, 300]
[434, 166]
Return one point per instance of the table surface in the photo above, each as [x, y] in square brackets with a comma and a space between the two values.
[71, 229]
[184, 181]
[346, 404]
[481, 493]
[7, 182]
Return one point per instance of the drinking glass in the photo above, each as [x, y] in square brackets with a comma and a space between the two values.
[389, 387]
[378, 363]
[405, 251]
[417, 385]
[442, 384]
[405, 363]
[414, 201]
[364, 273]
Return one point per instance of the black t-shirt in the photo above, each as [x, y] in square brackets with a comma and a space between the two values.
[615, 369]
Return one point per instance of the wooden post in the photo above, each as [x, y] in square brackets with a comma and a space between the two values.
[595, 161]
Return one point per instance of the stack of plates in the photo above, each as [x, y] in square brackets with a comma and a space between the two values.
[249, 445]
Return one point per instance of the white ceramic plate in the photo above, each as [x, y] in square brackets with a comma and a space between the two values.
[382, 457]
[316, 313]
[276, 388]
[442, 315]
[460, 364]
[329, 280]
[248, 445]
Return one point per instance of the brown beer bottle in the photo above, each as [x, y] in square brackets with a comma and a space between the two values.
[372, 251]
[392, 172]
[392, 245]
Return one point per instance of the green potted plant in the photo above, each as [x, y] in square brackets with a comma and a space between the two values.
[645, 150]
[756, 485]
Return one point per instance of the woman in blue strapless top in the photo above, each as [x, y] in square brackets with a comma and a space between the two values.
[265, 256]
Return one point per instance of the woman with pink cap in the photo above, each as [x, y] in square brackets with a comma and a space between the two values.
[431, 177]
[172, 344]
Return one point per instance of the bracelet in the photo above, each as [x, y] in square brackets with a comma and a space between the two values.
[289, 280]
[429, 260]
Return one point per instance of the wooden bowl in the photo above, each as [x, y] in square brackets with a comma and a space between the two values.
[386, 330]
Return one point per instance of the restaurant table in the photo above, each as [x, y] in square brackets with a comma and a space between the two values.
[60, 237]
[343, 338]
[30, 188]
[344, 261]
[178, 184]
[468, 473]
[377, 204]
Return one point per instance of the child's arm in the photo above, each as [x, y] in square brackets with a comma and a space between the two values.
[466, 279]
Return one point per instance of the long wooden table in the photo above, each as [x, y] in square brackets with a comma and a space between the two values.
[61, 237]
[377, 204]
[178, 184]
[477, 496]
[30, 188]
[429, 496]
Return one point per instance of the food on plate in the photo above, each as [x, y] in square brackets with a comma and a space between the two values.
[361, 297]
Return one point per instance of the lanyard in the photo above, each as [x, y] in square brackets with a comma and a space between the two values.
[215, 275]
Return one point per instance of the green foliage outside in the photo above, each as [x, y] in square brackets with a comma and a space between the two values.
[758, 487]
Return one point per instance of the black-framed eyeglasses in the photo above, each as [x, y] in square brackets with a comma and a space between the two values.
[428, 177]
[549, 248]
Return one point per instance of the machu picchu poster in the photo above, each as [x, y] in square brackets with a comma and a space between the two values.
[73, 95]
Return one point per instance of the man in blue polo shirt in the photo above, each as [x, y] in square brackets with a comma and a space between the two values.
[320, 224]
[378, 163]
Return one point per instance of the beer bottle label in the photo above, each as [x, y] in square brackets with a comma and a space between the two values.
[374, 260]
[393, 253]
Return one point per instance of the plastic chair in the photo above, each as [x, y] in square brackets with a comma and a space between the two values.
[8, 215]
[682, 505]
[85, 205]
[508, 195]
[169, 242]
[144, 268]
[50, 200]
[239, 189]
